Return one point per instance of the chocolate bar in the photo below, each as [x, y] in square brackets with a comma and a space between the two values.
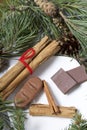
[63, 81]
[28, 92]
[78, 74]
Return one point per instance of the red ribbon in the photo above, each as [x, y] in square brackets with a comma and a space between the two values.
[26, 56]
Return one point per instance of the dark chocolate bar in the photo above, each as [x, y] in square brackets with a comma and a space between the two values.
[63, 81]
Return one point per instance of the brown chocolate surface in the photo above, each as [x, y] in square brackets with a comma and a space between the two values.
[28, 92]
[78, 74]
[63, 81]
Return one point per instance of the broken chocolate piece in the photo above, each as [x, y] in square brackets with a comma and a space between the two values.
[63, 81]
[78, 74]
[28, 92]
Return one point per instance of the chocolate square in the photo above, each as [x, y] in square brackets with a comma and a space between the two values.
[78, 74]
[63, 81]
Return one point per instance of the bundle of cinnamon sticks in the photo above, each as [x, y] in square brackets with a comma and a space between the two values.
[14, 76]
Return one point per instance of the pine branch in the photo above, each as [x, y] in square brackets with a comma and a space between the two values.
[18, 119]
[15, 119]
[16, 33]
[78, 123]
[21, 26]
[74, 14]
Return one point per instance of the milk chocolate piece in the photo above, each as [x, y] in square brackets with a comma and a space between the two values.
[28, 92]
[78, 74]
[63, 81]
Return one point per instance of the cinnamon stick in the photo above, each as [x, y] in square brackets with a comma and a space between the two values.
[44, 110]
[51, 101]
[11, 74]
[46, 53]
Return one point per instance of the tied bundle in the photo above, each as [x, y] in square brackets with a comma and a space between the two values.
[29, 61]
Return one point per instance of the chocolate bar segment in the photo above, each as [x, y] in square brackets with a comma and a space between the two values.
[63, 81]
[78, 74]
[28, 92]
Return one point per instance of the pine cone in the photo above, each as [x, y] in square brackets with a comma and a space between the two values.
[71, 46]
[48, 7]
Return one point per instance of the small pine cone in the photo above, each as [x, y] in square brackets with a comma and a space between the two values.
[71, 46]
[59, 22]
[56, 21]
[48, 7]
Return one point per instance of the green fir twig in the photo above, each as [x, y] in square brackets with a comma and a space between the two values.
[11, 117]
[74, 14]
[78, 123]
[23, 24]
